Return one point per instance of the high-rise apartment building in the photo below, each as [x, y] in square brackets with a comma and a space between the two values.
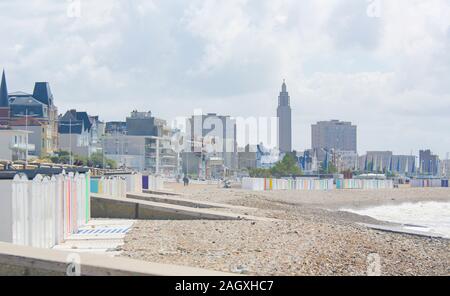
[428, 163]
[333, 135]
[210, 139]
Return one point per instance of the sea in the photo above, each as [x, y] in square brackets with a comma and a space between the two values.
[432, 217]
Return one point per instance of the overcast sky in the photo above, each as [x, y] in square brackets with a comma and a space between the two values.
[384, 65]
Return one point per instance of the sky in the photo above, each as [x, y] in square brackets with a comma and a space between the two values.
[383, 65]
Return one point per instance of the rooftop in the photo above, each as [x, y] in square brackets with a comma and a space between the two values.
[25, 100]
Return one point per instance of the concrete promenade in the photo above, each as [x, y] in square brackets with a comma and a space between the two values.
[19, 260]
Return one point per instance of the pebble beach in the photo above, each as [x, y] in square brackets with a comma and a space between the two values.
[309, 235]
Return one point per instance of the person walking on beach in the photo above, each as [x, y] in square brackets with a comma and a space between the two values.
[186, 180]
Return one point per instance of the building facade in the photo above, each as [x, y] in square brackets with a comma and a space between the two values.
[39, 105]
[116, 127]
[376, 161]
[75, 133]
[445, 166]
[14, 145]
[403, 165]
[429, 164]
[333, 135]
[39, 135]
[284, 115]
[248, 158]
[387, 162]
[142, 153]
[142, 143]
[141, 124]
[97, 132]
[210, 137]
[345, 160]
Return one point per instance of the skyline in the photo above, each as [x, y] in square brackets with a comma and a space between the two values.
[240, 120]
[172, 58]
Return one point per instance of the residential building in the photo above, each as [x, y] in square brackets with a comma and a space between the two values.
[210, 136]
[284, 114]
[375, 161]
[403, 164]
[14, 145]
[386, 161]
[248, 158]
[127, 151]
[428, 163]
[334, 134]
[266, 158]
[141, 124]
[142, 153]
[445, 166]
[39, 135]
[96, 134]
[345, 160]
[116, 127]
[43, 94]
[25, 105]
[169, 159]
[39, 105]
[75, 133]
[148, 147]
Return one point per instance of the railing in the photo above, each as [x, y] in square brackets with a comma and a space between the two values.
[44, 211]
[23, 147]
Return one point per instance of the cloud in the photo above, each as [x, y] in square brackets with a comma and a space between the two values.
[389, 74]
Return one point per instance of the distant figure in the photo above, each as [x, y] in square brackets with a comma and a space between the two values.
[186, 180]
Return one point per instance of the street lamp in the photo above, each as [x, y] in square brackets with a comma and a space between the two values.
[26, 129]
[70, 137]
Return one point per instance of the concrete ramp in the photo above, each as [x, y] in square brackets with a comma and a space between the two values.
[19, 260]
[128, 208]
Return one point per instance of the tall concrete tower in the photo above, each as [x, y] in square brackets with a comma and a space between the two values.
[284, 114]
[4, 103]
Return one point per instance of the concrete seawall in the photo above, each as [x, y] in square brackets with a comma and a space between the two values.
[19, 260]
[180, 201]
[128, 208]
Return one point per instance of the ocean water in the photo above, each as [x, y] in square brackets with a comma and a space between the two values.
[431, 217]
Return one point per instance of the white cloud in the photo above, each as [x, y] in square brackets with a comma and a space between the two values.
[389, 75]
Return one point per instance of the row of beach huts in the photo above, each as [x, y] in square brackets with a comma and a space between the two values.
[272, 184]
[45, 210]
